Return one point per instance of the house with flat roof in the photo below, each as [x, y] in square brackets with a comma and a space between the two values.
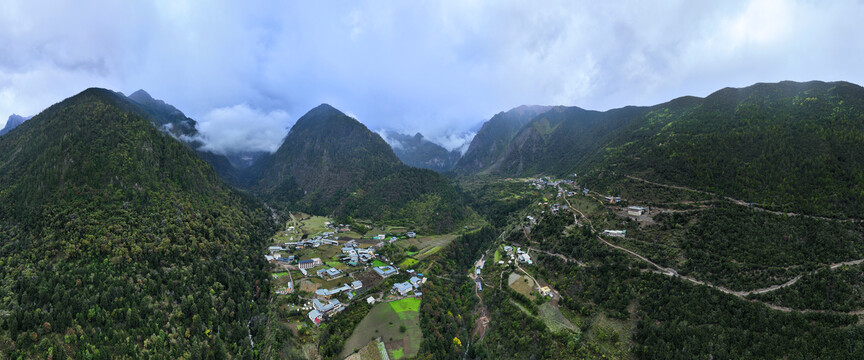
[308, 264]
[331, 273]
[402, 288]
[356, 284]
[635, 210]
[415, 281]
[316, 316]
[386, 271]
[615, 233]
[411, 234]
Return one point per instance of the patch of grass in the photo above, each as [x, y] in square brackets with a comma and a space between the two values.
[497, 256]
[554, 319]
[377, 263]
[411, 253]
[397, 354]
[315, 224]
[429, 252]
[334, 264]
[407, 304]
[408, 262]
[522, 284]
[378, 323]
[280, 274]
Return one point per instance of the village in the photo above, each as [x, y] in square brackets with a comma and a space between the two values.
[321, 268]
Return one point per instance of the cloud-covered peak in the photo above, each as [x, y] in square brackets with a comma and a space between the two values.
[242, 128]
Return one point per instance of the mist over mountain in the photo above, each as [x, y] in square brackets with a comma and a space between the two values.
[494, 136]
[419, 152]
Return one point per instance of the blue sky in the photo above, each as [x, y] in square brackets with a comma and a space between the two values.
[247, 70]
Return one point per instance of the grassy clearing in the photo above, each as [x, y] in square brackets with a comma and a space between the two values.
[554, 319]
[397, 354]
[497, 256]
[408, 262]
[377, 263]
[429, 252]
[407, 304]
[280, 274]
[383, 321]
[368, 352]
[522, 284]
[315, 225]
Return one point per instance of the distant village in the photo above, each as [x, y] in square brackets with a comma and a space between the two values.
[349, 268]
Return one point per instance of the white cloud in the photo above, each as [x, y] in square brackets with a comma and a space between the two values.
[396, 144]
[429, 67]
[240, 127]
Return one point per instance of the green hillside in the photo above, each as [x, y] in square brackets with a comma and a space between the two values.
[495, 136]
[332, 164]
[785, 146]
[118, 241]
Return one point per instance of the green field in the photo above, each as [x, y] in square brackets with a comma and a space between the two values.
[280, 274]
[429, 252]
[407, 304]
[378, 263]
[384, 321]
[315, 225]
[497, 256]
[408, 262]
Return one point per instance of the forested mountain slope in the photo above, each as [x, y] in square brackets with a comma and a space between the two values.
[332, 164]
[495, 136]
[787, 146]
[117, 240]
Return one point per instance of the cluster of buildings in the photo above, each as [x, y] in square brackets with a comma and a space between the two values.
[518, 255]
[412, 285]
[354, 256]
[547, 181]
[322, 309]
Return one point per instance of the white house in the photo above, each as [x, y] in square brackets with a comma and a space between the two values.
[615, 233]
[635, 210]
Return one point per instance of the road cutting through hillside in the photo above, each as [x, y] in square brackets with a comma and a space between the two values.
[739, 294]
[742, 202]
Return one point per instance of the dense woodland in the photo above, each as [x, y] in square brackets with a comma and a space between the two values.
[129, 246]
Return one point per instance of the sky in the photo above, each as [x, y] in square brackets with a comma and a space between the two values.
[247, 70]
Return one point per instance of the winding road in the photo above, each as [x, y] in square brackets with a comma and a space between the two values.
[739, 294]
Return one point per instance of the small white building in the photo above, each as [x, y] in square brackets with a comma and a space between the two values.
[370, 300]
[635, 210]
[615, 233]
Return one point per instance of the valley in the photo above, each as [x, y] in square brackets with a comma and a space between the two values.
[122, 237]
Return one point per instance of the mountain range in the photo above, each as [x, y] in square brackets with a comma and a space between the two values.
[121, 238]
[788, 146]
